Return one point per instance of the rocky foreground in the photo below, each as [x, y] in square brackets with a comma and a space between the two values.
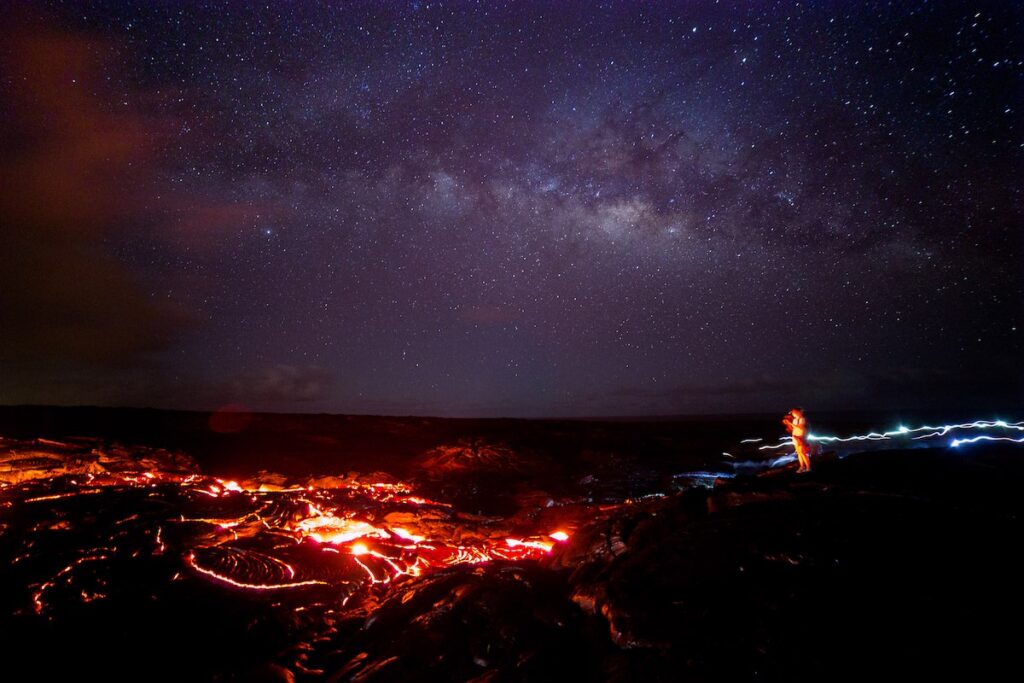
[881, 565]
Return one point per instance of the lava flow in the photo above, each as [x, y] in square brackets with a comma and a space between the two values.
[353, 534]
[343, 536]
[324, 576]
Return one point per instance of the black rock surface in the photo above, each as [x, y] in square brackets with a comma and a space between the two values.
[899, 564]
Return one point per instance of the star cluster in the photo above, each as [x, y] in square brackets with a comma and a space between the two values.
[522, 208]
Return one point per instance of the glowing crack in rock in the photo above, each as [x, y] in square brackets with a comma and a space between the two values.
[343, 537]
[331, 529]
[251, 536]
[228, 580]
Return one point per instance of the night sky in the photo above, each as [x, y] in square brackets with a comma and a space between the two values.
[512, 209]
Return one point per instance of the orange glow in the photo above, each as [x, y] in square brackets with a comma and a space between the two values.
[796, 425]
[342, 530]
[191, 560]
[381, 529]
[331, 529]
[536, 545]
[402, 533]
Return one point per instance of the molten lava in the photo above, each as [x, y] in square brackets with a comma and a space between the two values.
[255, 536]
[92, 532]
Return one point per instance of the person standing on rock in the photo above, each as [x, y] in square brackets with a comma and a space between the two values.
[796, 425]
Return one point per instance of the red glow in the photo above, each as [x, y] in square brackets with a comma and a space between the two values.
[272, 535]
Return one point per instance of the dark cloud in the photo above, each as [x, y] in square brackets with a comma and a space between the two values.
[283, 385]
[73, 172]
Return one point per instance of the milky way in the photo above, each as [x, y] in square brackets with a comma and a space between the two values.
[533, 209]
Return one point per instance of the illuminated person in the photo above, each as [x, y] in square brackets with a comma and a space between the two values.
[796, 425]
